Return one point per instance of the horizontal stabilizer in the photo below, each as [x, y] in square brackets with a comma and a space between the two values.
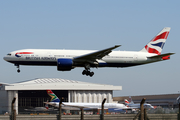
[162, 55]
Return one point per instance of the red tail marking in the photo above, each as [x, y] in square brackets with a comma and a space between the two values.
[166, 57]
[126, 101]
[161, 36]
[49, 91]
[152, 50]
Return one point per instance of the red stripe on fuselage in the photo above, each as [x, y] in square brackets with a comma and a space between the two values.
[24, 53]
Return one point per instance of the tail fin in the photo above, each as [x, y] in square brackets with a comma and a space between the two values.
[54, 98]
[157, 43]
[46, 105]
[126, 101]
[130, 100]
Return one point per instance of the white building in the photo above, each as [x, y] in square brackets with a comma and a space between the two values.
[32, 93]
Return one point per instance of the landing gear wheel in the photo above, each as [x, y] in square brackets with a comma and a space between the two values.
[18, 70]
[84, 72]
[91, 74]
[87, 70]
[17, 65]
[88, 73]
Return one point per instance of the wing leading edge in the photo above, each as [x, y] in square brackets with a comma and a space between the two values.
[96, 55]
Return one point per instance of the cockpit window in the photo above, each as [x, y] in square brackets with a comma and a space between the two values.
[9, 54]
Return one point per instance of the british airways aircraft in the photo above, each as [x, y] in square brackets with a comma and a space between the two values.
[131, 104]
[65, 60]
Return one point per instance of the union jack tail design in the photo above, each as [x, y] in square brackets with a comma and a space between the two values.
[130, 100]
[157, 43]
[54, 98]
[126, 101]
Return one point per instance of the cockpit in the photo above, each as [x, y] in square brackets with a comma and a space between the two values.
[9, 54]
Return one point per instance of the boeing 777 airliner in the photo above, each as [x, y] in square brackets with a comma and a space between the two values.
[131, 104]
[65, 60]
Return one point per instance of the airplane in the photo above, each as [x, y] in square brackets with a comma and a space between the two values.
[78, 106]
[40, 109]
[178, 100]
[45, 108]
[131, 104]
[66, 60]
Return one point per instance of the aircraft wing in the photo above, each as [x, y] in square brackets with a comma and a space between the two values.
[162, 55]
[96, 55]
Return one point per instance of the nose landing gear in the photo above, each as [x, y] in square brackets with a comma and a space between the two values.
[87, 71]
[17, 65]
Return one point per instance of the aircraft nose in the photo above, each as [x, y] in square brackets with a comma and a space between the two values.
[5, 58]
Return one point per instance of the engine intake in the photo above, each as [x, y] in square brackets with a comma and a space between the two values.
[64, 64]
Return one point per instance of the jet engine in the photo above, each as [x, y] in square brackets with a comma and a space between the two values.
[64, 64]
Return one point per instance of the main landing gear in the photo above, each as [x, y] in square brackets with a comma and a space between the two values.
[87, 71]
[17, 65]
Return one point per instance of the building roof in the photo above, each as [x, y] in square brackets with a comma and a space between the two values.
[59, 84]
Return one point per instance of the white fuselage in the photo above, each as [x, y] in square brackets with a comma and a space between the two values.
[49, 57]
[77, 106]
[148, 106]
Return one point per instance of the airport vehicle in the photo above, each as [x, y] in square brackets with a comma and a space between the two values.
[86, 106]
[131, 104]
[65, 60]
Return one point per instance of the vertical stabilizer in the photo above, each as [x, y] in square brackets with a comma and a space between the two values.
[54, 98]
[157, 43]
[126, 101]
[130, 100]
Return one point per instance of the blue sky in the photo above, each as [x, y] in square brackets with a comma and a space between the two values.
[93, 25]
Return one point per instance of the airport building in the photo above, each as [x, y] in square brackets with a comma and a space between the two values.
[163, 100]
[32, 93]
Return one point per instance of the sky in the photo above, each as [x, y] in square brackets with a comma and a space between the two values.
[93, 25]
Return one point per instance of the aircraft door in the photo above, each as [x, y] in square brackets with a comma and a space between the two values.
[135, 57]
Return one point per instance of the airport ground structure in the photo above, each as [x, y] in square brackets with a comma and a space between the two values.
[163, 100]
[32, 93]
[92, 117]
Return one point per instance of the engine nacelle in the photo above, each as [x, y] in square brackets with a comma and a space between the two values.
[64, 64]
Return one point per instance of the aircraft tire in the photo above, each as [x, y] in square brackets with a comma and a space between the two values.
[84, 72]
[91, 74]
[88, 73]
